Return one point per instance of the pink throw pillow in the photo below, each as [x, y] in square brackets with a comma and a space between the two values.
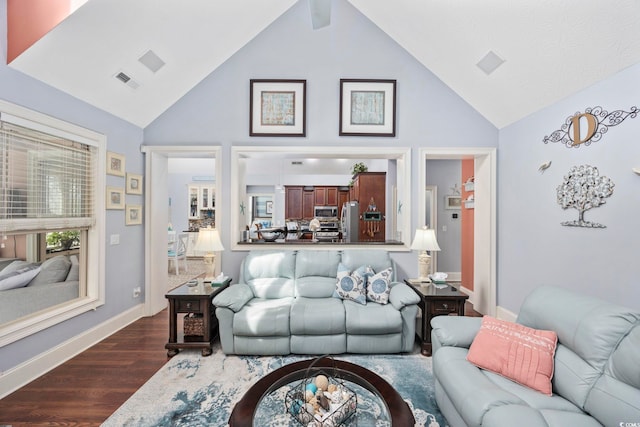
[522, 354]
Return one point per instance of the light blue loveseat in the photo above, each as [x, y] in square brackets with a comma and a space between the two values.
[283, 303]
[596, 377]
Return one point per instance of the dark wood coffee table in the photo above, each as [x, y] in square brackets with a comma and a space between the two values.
[436, 302]
[399, 411]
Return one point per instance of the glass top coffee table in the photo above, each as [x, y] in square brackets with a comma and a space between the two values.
[254, 404]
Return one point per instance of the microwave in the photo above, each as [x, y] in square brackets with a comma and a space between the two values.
[325, 211]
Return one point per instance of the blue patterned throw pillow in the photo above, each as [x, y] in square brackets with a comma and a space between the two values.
[379, 286]
[350, 286]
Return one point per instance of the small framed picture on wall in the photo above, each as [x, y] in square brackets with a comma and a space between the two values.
[115, 164]
[134, 183]
[115, 198]
[133, 215]
[452, 202]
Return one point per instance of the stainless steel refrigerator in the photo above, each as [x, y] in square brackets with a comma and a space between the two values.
[350, 221]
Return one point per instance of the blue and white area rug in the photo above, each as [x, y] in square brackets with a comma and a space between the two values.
[191, 390]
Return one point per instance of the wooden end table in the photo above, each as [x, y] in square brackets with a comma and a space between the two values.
[436, 302]
[196, 299]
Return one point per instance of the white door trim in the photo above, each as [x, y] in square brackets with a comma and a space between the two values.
[157, 215]
[484, 286]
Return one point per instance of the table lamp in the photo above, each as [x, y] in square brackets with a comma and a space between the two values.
[209, 242]
[424, 240]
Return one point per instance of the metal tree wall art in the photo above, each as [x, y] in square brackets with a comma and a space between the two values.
[583, 188]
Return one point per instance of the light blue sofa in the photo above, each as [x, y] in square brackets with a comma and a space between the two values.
[283, 304]
[596, 377]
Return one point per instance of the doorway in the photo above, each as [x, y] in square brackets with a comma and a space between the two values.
[157, 215]
[484, 293]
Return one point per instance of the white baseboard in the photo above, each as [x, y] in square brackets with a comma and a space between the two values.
[504, 314]
[39, 365]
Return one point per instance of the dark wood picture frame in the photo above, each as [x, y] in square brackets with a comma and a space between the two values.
[367, 107]
[277, 107]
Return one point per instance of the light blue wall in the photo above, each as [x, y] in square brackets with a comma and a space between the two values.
[445, 174]
[124, 263]
[533, 248]
[216, 111]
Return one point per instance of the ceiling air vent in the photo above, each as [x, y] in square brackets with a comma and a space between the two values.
[151, 61]
[124, 78]
[296, 163]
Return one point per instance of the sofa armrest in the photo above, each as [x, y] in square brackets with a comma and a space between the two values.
[234, 297]
[454, 331]
[402, 295]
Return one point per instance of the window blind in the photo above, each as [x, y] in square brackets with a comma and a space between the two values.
[46, 181]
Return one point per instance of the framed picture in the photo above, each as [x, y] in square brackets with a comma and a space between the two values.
[115, 164]
[269, 208]
[134, 184]
[115, 198]
[133, 215]
[452, 202]
[367, 107]
[277, 108]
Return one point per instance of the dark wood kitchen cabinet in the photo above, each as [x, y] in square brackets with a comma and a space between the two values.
[308, 198]
[326, 196]
[370, 188]
[293, 202]
[343, 197]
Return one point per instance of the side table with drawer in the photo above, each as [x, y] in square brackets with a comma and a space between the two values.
[436, 302]
[193, 301]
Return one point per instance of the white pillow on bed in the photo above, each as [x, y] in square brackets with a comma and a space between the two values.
[18, 278]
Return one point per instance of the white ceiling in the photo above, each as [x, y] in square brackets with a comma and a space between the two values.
[551, 48]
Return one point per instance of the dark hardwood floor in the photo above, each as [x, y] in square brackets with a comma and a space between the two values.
[87, 389]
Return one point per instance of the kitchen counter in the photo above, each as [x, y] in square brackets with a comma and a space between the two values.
[307, 242]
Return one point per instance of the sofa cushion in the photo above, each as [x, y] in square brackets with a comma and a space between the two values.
[18, 278]
[377, 259]
[317, 316]
[315, 286]
[371, 319]
[52, 270]
[263, 317]
[379, 286]
[317, 263]
[74, 270]
[350, 286]
[520, 353]
[15, 265]
[270, 274]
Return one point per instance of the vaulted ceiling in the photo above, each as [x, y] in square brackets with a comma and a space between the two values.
[550, 48]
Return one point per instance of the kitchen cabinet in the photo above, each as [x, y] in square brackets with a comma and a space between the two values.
[194, 197]
[369, 189]
[293, 202]
[343, 197]
[201, 198]
[207, 198]
[308, 199]
[326, 196]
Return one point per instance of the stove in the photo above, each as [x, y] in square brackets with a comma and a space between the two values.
[329, 230]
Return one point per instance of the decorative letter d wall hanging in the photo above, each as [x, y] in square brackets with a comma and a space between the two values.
[587, 127]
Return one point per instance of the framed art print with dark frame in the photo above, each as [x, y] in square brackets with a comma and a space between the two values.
[367, 107]
[277, 108]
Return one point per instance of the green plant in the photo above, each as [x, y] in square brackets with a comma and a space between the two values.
[358, 168]
[63, 239]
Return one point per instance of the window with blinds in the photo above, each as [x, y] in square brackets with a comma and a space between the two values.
[46, 181]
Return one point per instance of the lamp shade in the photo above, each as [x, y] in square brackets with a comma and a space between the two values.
[209, 240]
[425, 240]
